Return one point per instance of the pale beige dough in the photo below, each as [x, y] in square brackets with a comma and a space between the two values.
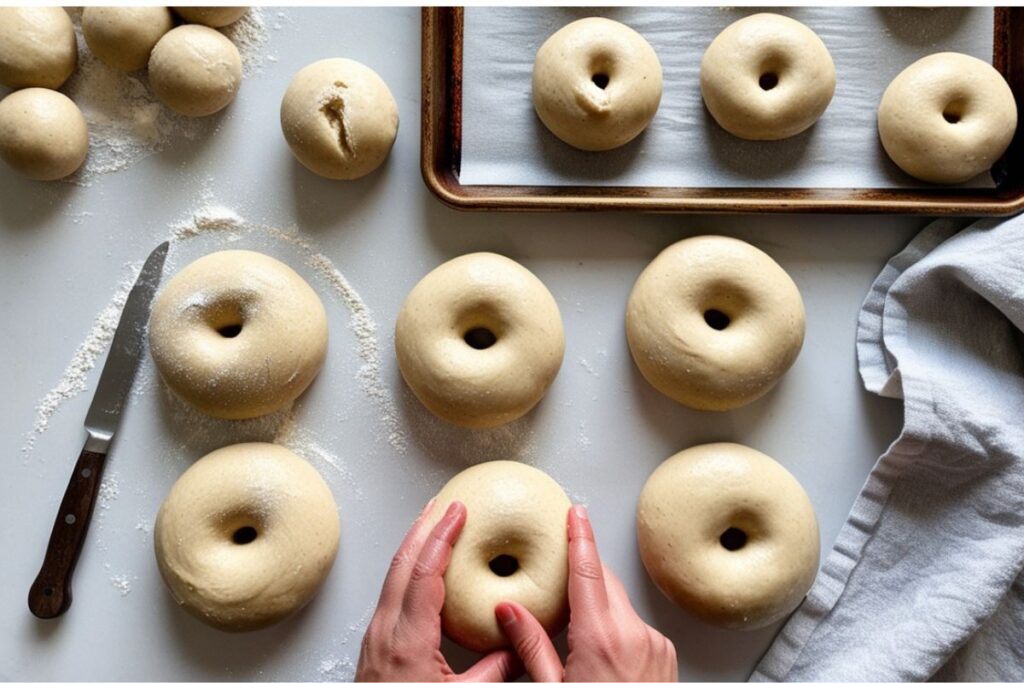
[596, 84]
[238, 334]
[214, 17]
[516, 522]
[123, 37]
[339, 118]
[195, 70]
[479, 340]
[37, 47]
[729, 535]
[947, 117]
[43, 134]
[714, 322]
[247, 536]
[767, 77]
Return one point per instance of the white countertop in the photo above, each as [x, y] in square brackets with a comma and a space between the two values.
[600, 431]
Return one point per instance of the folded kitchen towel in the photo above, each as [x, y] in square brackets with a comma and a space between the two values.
[925, 579]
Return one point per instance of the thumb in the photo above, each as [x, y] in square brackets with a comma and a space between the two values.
[530, 641]
[496, 667]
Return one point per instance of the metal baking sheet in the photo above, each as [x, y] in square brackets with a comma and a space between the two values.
[504, 143]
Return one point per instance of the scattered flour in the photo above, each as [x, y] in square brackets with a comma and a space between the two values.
[127, 122]
[334, 669]
[122, 583]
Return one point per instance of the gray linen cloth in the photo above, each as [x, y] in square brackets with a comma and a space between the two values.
[925, 579]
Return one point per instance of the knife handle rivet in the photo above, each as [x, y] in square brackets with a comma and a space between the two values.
[69, 519]
[86, 473]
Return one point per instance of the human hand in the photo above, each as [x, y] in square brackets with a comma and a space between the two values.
[403, 641]
[607, 639]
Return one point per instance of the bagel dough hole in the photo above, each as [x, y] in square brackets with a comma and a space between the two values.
[601, 80]
[953, 112]
[480, 338]
[715, 319]
[504, 565]
[768, 80]
[230, 331]
[733, 539]
[244, 535]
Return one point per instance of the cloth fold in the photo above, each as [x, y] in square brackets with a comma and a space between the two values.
[925, 579]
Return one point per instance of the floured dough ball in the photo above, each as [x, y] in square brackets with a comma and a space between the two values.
[37, 47]
[123, 37]
[247, 536]
[43, 134]
[596, 84]
[339, 118]
[214, 17]
[195, 70]
[514, 547]
[947, 117]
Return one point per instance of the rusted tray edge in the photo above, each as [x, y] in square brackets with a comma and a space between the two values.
[441, 134]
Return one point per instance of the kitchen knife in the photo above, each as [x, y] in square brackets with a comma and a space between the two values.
[50, 595]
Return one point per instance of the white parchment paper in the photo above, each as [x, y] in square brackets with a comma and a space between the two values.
[504, 143]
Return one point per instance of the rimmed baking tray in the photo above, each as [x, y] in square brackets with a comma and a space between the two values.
[441, 154]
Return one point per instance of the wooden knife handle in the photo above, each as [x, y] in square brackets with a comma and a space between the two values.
[50, 595]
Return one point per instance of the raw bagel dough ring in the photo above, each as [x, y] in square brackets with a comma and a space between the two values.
[238, 334]
[767, 77]
[947, 117]
[214, 17]
[596, 84]
[479, 340]
[37, 47]
[339, 118]
[123, 37]
[516, 513]
[247, 536]
[195, 70]
[43, 134]
[728, 535]
[714, 322]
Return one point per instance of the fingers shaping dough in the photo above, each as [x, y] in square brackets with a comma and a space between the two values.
[947, 117]
[596, 84]
[247, 536]
[238, 334]
[514, 547]
[479, 340]
[714, 322]
[339, 119]
[767, 77]
[728, 535]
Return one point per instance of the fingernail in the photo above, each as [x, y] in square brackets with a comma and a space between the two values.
[428, 507]
[580, 511]
[505, 614]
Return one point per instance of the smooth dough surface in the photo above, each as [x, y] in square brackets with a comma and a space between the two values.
[214, 17]
[339, 118]
[596, 84]
[479, 340]
[767, 77]
[247, 536]
[123, 37]
[238, 334]
[37, 47]
[517, 513]
[43, 134]
[729, 535]
[714, 322]
[947, 117]
[195, 70]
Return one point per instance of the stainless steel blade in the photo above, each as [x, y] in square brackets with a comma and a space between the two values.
[123, 359]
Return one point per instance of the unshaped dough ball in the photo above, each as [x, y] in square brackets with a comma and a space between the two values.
[514, 547]
[123, 37]
[339, 118]
[214, 17]
[195, 70]
[37, 47]
[43, 134]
